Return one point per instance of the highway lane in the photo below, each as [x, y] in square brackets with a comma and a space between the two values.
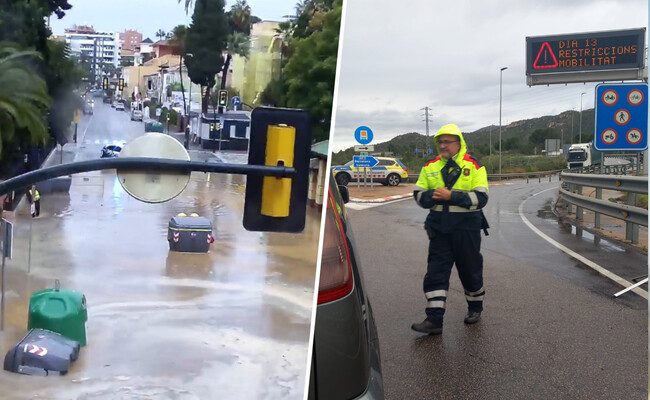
[550, 329]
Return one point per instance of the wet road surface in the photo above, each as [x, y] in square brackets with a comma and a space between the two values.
[232, 323]
[551, 328]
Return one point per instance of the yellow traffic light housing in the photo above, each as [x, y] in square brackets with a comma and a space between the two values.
[279, 137]
[120, 84]
[105, 83]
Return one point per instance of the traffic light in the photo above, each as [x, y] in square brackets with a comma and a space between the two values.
[120, 84]
[279, 137]
[223, 98]
[105, 83]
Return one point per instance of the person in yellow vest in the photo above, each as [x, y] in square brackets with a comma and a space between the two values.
[35, 198]
[454, 188]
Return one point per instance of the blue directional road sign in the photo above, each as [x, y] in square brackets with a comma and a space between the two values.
[235, 100]
[364, 161]
[621, 117]
[363, 135]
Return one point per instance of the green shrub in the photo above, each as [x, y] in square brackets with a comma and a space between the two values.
[163, 115]
[173, 117]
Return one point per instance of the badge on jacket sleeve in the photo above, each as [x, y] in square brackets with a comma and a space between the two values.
[466, 171]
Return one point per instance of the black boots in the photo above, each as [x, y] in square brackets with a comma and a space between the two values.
[428, 326]
[472, 317]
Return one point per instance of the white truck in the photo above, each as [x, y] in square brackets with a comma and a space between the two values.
[583, 155]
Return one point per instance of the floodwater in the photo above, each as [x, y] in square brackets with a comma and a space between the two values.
[232, 323]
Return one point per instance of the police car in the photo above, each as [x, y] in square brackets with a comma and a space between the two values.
[388, 172]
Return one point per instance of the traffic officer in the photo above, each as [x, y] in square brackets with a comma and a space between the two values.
[454, 187]
[35, 197]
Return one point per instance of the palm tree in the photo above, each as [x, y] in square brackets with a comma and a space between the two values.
[240, 17]
[238, 44]
[188, 4]
[160, 34]
[23, 96]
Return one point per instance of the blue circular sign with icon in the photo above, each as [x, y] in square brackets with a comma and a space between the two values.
[235, 100]
[363, 135]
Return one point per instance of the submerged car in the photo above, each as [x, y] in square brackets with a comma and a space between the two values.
[345, 360]
[111, 150]
[119, 106]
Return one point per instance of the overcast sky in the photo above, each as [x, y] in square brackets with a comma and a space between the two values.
[147, 16]
[399, 57]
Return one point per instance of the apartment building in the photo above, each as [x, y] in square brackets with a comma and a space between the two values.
[100, 49]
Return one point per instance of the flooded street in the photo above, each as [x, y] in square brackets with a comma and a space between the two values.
[232, 323]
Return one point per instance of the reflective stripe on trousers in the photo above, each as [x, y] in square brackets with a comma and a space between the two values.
[461, 247]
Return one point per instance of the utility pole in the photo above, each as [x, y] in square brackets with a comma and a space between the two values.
[580, 130]
[500, 96]
[572, 112]
[426, 124]
[94, 67]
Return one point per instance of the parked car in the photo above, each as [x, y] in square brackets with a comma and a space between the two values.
[345, 360]
[107, 100]
[389, 172]
[136, 115]
[89, 107]
[111, 150]
[119, 106]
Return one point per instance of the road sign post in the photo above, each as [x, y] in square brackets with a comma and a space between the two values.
[364, 136]
[621, 111]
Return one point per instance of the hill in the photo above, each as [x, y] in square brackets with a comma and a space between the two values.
[525, 137]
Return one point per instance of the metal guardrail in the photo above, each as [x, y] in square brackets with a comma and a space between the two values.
[633, 216]
[517, 175]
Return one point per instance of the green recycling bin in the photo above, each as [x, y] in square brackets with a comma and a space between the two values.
[60, 311]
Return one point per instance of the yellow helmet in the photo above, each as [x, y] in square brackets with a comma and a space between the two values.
[449, 129]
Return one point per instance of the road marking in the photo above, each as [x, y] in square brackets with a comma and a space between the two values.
[365, 206]
[83, 137]
[575, 255]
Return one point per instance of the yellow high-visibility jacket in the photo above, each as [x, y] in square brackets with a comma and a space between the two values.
[469, 191]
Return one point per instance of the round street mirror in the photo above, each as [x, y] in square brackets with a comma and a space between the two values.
[153, 186]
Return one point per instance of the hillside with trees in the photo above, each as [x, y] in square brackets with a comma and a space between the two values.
[522, 143]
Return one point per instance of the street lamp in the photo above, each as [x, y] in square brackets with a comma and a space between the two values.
[580, 129]
[189, 103]
[187, 106]
[500, 96]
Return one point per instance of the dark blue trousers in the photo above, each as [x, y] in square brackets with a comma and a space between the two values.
[462, 247]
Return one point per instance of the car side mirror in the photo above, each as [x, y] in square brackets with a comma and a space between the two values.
[345, 194]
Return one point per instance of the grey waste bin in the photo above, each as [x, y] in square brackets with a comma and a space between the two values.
[191, 234]
[42, 352]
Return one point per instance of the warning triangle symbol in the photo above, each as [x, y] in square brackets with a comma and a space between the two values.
[545, 58]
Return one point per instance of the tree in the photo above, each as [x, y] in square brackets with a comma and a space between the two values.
[23, 22]
[539, 136]
[311, 70]
[206, 40]
[65, 76]
[188, 4]
[161, 34]
[23, 96]
[179, 35]
[238, 44]
[239, 17]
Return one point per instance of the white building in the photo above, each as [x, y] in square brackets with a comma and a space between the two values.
[101, 49]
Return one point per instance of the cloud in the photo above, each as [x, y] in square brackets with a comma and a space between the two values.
[447, 55]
